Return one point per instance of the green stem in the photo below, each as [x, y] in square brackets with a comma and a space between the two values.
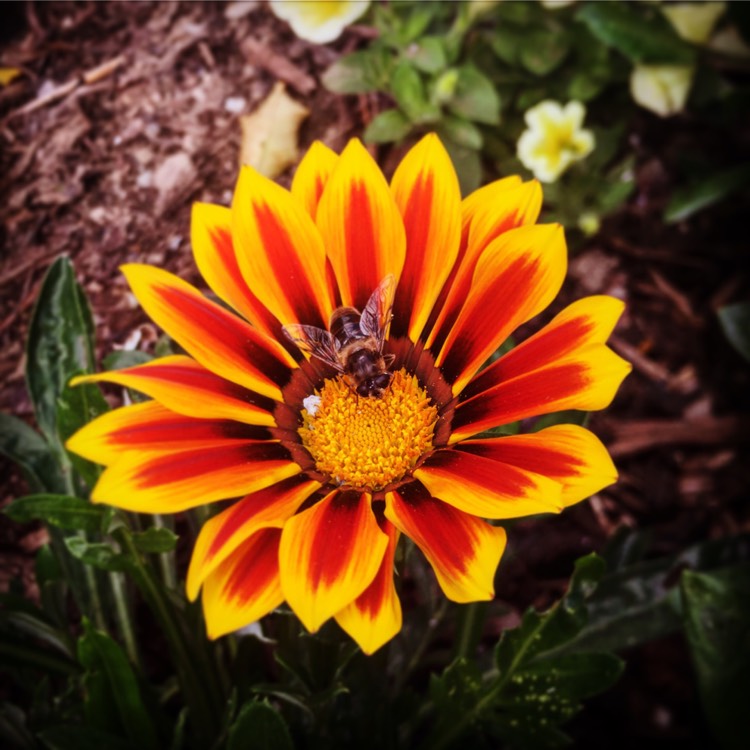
[166, 559]
[204, 704]
[472, 616]
[124, 618]
[469, 717]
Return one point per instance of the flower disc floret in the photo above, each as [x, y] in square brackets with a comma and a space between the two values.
[369, 443]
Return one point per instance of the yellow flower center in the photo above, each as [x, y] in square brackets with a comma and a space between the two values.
[368, 442]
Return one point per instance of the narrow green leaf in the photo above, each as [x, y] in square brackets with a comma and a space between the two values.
[99, 654]
[64, 511]
[386, 127]
[644, 36]
[60, 343]
[97, 554]
[155, 540]
[125, 358]
[717, 625]
[259, 727]
[735, 321]
[475, 97]
[707, 192]
[31, 452]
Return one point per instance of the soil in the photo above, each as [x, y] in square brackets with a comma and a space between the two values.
[127, 113]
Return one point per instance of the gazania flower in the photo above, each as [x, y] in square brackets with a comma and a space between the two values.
[324, 480]
[554, 139]
[319, 21]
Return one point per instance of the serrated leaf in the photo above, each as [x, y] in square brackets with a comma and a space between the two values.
[643, 39]
[735, 322]
[60, 343]
[386, 127]
[475, 97]
[64, 511]
[707, 192]
[717, 625]
[259, 727]
[155, 540]
[270, 134]
[31, 452]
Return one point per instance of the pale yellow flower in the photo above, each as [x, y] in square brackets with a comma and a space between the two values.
[663, 89]
[319, 21]
[554, 139]
[694, 22]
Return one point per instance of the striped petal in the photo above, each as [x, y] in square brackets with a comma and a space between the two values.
[486, 488]
[149, 482]
[361, 226]
[221, 535]
[184, 386]
[587, 379]
[516, 277]
[464, 551]
[498, 207]
[213, 250]
[279, 251]
[427, 194]
[219, 340]
[569, 454]
[587, 321]
[311, 176]
[245, 587]
[374, 617]
[151, 427]
[329, 555]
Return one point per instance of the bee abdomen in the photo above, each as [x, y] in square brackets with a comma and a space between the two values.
[344, 325]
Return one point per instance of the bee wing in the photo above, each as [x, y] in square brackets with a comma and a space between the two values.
[376, 317]
[315, 341]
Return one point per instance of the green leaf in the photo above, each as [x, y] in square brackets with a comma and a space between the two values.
[461, 132]
[259, 727]
[155, 540]
[108, 669]
[543, 51]
[468, 165]
[735, 322]
[717, 625]
[428, 55]
[97, 554]
[707, 192]
[60, 343]
[65, 511]
[31, 452]
[125, 358]
[359, 72]
[408, 90]
[641, 602]
[642, 36]
[388, 126]
[475, 97]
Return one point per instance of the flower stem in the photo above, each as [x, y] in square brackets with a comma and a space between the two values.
[204, 704]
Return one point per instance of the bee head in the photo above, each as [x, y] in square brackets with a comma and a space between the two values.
[376, 385]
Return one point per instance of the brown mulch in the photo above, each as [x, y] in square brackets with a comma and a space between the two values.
[127, 113]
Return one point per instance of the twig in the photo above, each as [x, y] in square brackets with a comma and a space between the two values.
[637, 436]
[60, 92]
[278, 65]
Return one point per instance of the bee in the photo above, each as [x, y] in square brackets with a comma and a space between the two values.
[353, 343]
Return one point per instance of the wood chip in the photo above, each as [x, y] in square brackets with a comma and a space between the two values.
[278, 66]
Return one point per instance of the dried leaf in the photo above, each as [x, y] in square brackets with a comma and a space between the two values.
[8, 74]
[269, 135]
